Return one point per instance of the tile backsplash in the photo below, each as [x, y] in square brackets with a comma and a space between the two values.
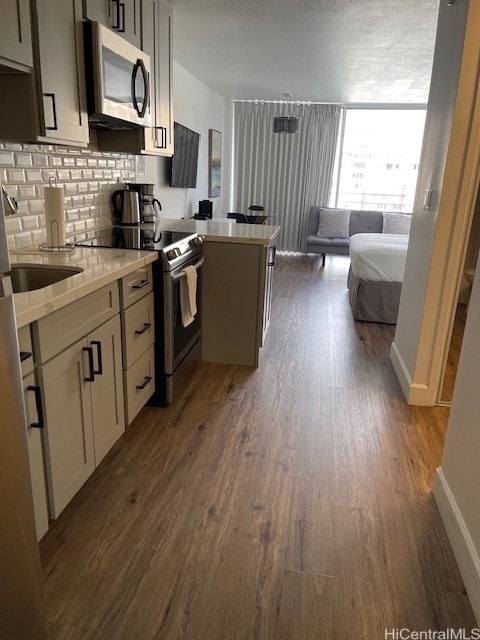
[88, 178]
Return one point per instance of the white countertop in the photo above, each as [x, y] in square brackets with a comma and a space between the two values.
[221, 230]
[103, 266]
[100, 267]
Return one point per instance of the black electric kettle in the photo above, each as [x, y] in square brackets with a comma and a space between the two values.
[126, 206]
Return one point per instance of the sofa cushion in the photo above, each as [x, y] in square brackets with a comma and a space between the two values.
[317, 241]
[333, 223]
[396, 222]
[366, 222]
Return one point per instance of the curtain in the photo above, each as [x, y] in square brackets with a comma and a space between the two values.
[287, 173]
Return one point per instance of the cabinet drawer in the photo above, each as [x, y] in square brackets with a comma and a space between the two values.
[134, 286]
[26, 350]
[60, 329]
[139, 384]
[137, 330]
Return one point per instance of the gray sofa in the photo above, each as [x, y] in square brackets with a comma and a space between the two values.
[360, 222]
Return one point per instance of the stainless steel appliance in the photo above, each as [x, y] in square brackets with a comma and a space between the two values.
[21, 592]
[177, 348]
[118, 80]
[126, 207]
[150, 206]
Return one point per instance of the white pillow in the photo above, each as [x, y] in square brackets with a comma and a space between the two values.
[333, 223]
[396, 222]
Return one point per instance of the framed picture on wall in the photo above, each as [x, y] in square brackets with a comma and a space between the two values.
[214, 163]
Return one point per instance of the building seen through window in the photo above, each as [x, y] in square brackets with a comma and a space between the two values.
[377, 160]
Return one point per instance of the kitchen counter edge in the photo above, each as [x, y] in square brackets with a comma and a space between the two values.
[100, 268]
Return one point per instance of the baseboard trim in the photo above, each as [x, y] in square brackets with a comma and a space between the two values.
[401, 370]
[462, 544]
[416, 394]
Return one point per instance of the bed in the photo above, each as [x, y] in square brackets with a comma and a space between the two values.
[376, 275]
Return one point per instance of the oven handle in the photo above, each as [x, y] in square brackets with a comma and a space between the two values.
[178, 276]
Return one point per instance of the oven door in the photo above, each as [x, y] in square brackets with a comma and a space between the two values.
[179, 340]
[121, 78]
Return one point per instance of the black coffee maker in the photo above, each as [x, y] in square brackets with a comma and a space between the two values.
[150, 207]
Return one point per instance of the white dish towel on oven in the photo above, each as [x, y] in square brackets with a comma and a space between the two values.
[188, 295]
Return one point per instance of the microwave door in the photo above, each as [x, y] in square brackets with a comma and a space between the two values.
[121, 77]
[117, 79]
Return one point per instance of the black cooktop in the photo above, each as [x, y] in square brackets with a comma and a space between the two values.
[131, 238]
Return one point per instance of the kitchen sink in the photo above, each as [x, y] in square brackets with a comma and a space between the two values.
[28, 277]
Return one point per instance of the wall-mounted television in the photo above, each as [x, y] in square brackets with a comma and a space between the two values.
[185, 157]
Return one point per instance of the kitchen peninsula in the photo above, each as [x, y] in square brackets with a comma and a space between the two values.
[236, 287]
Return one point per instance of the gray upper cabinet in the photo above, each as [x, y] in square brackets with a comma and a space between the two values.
[63, 113]
[15, 34]
[49, 104]
[157, 42]
[123, 17]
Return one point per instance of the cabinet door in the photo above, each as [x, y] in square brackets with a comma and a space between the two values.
[62, 75]
[68, 431]
[121, 17]
[15, 33]
[35, 456]
[107, 390]
[164, 62]
[157, 41]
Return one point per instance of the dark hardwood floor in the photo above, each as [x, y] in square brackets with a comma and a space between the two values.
[291, 502]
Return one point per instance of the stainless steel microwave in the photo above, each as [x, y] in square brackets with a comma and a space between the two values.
[118, 80]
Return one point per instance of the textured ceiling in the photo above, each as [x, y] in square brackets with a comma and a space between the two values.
[345, 51]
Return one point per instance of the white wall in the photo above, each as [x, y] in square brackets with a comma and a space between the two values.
[457, 487]
[431, 230]
[199, 108]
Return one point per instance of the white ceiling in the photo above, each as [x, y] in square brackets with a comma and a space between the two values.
[343, 51]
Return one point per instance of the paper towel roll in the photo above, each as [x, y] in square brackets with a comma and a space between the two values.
[54, 216]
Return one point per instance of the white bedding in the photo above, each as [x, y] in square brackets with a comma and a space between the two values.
[378, 257]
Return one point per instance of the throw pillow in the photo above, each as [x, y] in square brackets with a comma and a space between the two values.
[396, 222]
[333, 223]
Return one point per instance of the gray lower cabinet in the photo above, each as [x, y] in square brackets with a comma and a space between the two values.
[35, 455]
[138, 337]
[83, 408]
[123, 17]
[15, 34]
[34, 426]
[70, 455]
[49, 105]
[236, 294]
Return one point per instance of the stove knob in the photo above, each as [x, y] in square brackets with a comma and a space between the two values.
[172, 254]
[197, 241]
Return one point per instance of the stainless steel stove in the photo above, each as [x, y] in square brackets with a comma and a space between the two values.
[174, 246]
[177, 348]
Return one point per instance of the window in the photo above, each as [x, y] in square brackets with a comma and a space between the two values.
[386, 145]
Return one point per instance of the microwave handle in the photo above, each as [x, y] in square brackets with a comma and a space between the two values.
[146, 79]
